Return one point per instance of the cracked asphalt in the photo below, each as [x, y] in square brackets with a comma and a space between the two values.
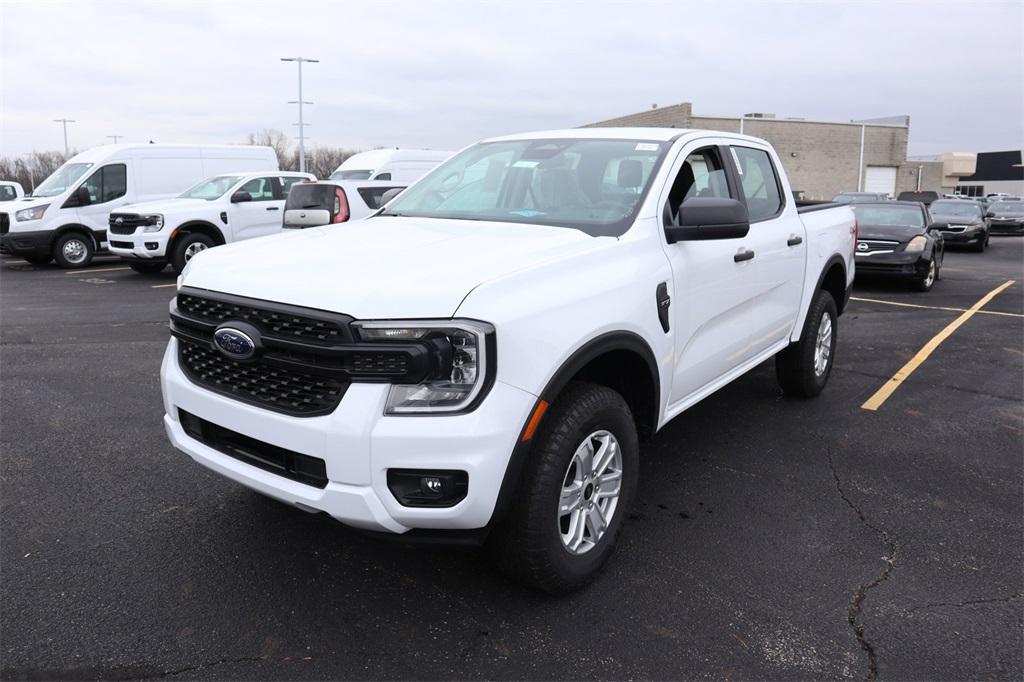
[772, 538]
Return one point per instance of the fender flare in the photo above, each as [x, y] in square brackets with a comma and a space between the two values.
[836, 259]
[76, 227]
[589, 351]
[205, 224]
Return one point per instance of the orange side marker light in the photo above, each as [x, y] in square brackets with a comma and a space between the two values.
[538, 412]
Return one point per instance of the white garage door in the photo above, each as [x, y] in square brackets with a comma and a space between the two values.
[880, 179]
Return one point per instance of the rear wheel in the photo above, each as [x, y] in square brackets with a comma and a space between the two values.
[576, 489]
[73, 250]
[147, 268]
[803, 368]
[188, 246]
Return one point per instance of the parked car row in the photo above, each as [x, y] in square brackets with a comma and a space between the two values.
[128, 200]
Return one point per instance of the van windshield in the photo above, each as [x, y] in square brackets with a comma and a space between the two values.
[351, 175]
[60, 179]
[594, 185]
[212, 188]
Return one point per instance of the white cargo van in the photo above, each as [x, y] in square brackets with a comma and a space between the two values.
[65, 218]
[395, 165]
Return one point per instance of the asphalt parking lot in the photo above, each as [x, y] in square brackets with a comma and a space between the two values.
[772, 538]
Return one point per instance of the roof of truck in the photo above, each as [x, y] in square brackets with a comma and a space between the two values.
[635, 133]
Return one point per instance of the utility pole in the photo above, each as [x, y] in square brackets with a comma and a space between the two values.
[115, 137]
[302, 124]
[65, 121]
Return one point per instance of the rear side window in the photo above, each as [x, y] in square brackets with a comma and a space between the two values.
[287, 182]
[383, 176]
[759, 182]
[107, 183]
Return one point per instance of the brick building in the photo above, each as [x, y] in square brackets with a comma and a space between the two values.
[822, 158]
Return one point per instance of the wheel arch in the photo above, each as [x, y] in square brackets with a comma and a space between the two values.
[196, 226]
[74, 227]
[833, 280]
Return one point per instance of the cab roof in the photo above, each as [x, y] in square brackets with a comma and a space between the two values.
[625, 133]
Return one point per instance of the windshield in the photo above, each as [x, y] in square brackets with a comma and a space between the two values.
[1007, 207]
[60, 179]
[593, 185]
[889, 216]
[961, 209]
[212, 188]
[351, 175]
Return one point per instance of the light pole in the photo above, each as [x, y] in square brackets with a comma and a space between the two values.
[115, 137]
[300, 102]
[65, 121]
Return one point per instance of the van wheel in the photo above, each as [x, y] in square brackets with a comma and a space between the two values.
[73, 250]
[576, 489]
[147, 268]
[803, 368]
[186, 247]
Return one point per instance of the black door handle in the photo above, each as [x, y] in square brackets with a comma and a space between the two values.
[793, 241]
[273, 208]
[746, 254]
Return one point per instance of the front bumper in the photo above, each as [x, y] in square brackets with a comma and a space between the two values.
[148, 246]
[967, 236]
[358, 445]
[1006, 227]
[900, 264]
[27, 243]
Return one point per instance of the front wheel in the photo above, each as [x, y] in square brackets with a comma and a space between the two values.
[925, 283]
[73, 250]
[186, 247]
[578, 485]
[803, 368]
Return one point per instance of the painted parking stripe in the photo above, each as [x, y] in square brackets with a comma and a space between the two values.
[934, 307]
[163, 286]
[81, 272]
[882, 394]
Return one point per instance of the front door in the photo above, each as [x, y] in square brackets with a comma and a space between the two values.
[710, 310]
[108, 191]
[262, 214]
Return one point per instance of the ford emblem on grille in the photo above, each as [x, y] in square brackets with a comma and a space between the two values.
[234, 343]
[118, 221]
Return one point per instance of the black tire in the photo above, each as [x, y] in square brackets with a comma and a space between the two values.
[982, 243]
[146, 268]
[528, 543]
[180, 250]
[795, 366]
[73, 250]
[928, 281]
[38, 260]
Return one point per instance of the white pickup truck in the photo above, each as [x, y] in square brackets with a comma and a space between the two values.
[219, 210]
[481, 357]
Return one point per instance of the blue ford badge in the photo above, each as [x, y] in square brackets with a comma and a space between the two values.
[234, 343]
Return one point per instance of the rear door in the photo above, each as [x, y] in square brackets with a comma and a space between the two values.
[779, 242]
[263, 214]
[710, 314]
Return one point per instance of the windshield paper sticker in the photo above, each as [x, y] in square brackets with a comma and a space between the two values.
[525, 164]
[739, 168]
[646, 147]
[528, 213]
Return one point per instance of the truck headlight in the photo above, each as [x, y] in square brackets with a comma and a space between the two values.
[917, 244]
[34, 213]
[156, 223]
[463, 352]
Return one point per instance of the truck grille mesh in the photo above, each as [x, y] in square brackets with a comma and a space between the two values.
[275, 388]
[278, 324]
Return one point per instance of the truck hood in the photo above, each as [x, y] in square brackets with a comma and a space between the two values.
[165, 206]
[387, 267]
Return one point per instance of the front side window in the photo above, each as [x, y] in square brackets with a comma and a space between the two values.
[594, 185]
[759, 182]
[909, 217]
[107, 184]
[7, 193]
[260, 189]
[701, 175]
[212, 188]
[61, 179]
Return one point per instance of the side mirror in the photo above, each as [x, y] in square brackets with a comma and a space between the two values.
[390, 194]
[240, 197]
[81, 197]
[709, 218]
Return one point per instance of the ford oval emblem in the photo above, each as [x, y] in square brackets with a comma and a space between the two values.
[234, 343]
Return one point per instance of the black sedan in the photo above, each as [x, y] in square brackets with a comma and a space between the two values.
[961, 222]
[894, 240]
[1006, 217]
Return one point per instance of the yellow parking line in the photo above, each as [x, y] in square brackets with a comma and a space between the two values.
[934, 307]
[82, 272]
[161, 286]
[882, 394]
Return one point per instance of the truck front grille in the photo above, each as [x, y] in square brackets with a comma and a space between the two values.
[126, 223]
[5, 223]
[285, 324]
[275, 388]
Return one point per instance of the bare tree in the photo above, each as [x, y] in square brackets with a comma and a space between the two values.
[279, 142]
[322, 161]
[31, 169]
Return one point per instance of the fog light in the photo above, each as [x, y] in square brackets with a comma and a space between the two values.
[428, 488]
[152, 246]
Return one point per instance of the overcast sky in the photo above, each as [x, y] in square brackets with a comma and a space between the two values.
[442, 75]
